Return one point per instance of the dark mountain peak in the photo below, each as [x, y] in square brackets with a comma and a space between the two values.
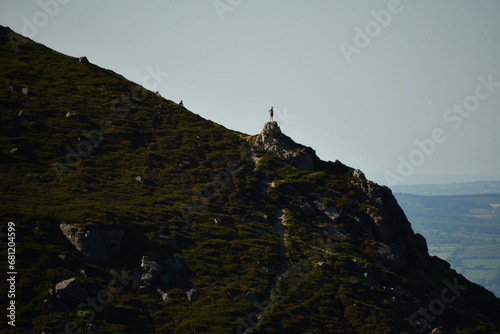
[272, 140]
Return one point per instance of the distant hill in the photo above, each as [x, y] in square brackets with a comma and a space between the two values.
[463, 230]
[467, 188]
[124, 212]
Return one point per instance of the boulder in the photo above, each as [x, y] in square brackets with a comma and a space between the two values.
[151, 270]
[71, 292]
[73, 116]
[192, 294]
[22, 116]
[95, 244]
[150, 266]
[25, 91]
[83, 60]
[166, 297]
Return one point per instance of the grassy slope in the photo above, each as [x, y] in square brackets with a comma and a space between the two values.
[195, 171]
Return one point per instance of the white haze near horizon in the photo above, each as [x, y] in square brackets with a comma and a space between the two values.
[375, 84]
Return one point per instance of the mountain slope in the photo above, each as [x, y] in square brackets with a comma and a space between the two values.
[134, 215]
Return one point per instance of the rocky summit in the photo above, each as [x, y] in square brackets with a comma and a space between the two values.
[132, 214]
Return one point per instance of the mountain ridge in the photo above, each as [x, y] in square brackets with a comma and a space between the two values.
[174, 224]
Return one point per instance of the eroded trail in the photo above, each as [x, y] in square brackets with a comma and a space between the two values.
[278, 226]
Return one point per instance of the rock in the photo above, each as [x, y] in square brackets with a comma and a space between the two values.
[166, 297]
[139, 179]
[330, 211]
[151, 270]
[358, 174]
[146, 282]
[390, 226]
[271, 139]
[71, 292]
[25, 91]
[66, 259]
[150, 266]
[22, 116]
[83, 60]
[14, 151]
[73, 116]
[192, 294]
[95, 244]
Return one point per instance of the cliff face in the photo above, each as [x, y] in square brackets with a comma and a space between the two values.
[134, 215]
[384, 219]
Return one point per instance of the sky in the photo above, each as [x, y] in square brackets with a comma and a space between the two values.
[408, 91]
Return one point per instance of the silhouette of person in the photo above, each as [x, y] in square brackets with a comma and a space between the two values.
[181, 104]
[271, 114]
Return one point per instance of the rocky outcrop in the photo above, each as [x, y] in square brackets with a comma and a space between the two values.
[271, 139]
[97, 245]
[390, 226]
[139, 179]
[192, 295]
[83, 60]
[70, 292]
[151, 270]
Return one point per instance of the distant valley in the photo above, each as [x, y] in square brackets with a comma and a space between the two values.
[461, 228]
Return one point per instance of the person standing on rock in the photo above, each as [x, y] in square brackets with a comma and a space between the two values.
[271, 114]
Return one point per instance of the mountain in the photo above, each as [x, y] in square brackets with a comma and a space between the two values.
[124, 212]
[466, 188]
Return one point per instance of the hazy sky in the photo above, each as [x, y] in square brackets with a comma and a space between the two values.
[395, 88]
